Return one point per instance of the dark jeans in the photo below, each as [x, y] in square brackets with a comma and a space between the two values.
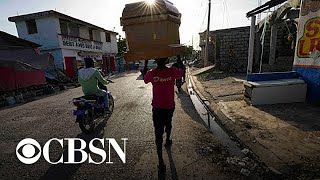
[162, 121]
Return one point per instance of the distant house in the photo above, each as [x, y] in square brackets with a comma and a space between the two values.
[70, 40]
[20, 64]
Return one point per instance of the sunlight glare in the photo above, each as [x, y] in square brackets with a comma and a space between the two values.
[150, 2]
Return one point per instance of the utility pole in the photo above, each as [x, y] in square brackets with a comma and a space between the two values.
[206, 59]
[192, 41]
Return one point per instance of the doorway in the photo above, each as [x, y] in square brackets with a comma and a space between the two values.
[71, 67]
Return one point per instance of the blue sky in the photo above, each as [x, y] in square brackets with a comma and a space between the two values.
[107, 13]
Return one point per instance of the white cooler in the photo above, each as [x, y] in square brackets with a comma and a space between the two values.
[275, 91]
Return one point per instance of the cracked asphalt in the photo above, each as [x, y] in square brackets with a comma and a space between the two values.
[51, 117]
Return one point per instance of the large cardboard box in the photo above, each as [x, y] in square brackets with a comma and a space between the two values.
[152, 30]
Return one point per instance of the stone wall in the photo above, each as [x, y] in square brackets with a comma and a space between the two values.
[229, 49]
[232, 49]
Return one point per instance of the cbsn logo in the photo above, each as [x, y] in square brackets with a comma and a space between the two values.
[28, 150]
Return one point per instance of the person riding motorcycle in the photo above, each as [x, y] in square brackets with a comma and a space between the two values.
[89, 77]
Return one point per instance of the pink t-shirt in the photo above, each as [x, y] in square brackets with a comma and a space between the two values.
[163, 86]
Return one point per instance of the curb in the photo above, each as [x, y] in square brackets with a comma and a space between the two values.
[219, 115]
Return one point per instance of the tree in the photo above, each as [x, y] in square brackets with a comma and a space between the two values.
[189, 51]
[122, 45]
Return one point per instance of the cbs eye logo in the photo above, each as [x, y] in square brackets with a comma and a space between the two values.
[26, 151]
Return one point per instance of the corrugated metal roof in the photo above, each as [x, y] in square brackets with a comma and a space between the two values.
[11, 39]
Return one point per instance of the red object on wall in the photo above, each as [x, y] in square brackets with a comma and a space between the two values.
[7, 79]
[11, 79]
[69, 65]
[112, 64]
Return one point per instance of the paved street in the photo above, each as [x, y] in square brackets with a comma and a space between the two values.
[51, 117]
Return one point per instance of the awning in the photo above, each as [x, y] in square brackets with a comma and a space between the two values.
[28, 56]
[281, 12]
[17, 65]
[264, 7]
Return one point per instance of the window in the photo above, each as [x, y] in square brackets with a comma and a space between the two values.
[73, 30]
[64, 27]
[96, 35]
[32, 26]
[90, 34]
[69, 28]
[108, 37]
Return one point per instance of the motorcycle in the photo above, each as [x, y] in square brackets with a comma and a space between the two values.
[91, 108]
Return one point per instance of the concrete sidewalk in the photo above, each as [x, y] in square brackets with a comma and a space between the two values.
[286, 137]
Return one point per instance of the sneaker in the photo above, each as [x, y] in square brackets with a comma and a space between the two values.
[168, 143]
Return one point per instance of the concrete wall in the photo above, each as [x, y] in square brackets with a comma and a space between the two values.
[211, 46]
[48, 36]
[58, 58]
[71, 53]
[48, 28]
[232, 49]
[84, 32]
[229, 50]
[110, 47]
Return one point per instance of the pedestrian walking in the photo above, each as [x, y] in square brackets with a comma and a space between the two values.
[179, 64]
[163, 105]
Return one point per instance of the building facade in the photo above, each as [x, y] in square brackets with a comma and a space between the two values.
[70, 40]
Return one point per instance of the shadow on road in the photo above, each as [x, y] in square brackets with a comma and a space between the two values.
[174, 174]
[188, 107]
[162, 175]
[32, 99]
[124, 74]
[301, 115]
[140, 77]
[67, 171]
[173, 170]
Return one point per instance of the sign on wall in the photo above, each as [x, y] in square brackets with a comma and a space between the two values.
[307, 55]
[308, 36]
[70, 42]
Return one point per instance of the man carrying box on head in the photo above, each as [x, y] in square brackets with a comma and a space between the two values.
[163, 105]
